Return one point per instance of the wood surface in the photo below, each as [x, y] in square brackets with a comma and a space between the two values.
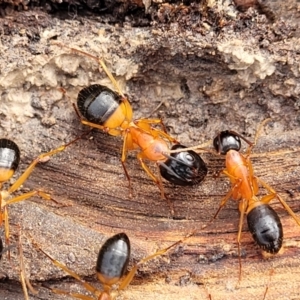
[88, 179]
[200, 72]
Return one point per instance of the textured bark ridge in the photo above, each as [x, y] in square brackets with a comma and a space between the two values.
[202, 67]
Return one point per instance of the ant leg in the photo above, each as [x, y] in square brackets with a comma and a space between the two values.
[154, 122]
[89, 287]
[40, 158]
[258, 131]
[128, 278]
[15, 200]
[163, 126]
[24, 280]
[228, 195]
[283, 203]
[110, 131]
[6, 228]
[158, 181]
[127, 144]
[199, 148]
[100, 61]
[29, 195]
[162, 191]
[242, 209]
[254, 185]
[267, 287]
[145, 125]
[74, 295]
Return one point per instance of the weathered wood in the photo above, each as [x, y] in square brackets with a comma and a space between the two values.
[89, 179]
[200, 90]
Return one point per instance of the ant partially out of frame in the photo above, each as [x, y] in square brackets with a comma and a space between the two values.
[9, 162]
[263, 221]
[110, 111]
[111, 268]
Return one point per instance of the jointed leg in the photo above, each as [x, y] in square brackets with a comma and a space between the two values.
[252, 177]
[24, 280]
[89, 287]
[199, 148]
[31, 167]
[283, 203]
[22, 197]
[74, 295]
[228, 195]
[242, 208]
[111, 131]
[158, 181]
[101, 62]
[162, 191]
[145, 124]
[126, 281]
[258, 131]
[126, 143]
[149, 172]
[27, 196]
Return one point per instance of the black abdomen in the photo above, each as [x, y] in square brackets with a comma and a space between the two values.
[114, 256]
[9, 155]
[266, 228]
[183, 168]
[97, 103]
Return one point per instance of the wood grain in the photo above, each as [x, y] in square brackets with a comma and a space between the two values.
[88, 179]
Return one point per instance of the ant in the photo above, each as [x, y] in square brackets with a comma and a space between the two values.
[263, 222]
[9, 162]
[112, 263]
[100, 107]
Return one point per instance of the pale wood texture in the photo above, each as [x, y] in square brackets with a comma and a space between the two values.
[201, 78]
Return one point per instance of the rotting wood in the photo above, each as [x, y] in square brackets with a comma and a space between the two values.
[199, 96]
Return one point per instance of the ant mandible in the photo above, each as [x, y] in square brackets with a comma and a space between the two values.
[9, 162]
[263, 222]
[112, 263]
[111, 112]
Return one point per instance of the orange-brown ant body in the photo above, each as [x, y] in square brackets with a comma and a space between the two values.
[111, 266]
[111, 112]
[9, 161]
[263, 222]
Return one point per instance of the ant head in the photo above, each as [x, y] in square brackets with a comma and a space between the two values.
[227, 140]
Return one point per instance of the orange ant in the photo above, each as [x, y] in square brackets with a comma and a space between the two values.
[9, 161]
[111, 112]
[263, 222]
[112, 263]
